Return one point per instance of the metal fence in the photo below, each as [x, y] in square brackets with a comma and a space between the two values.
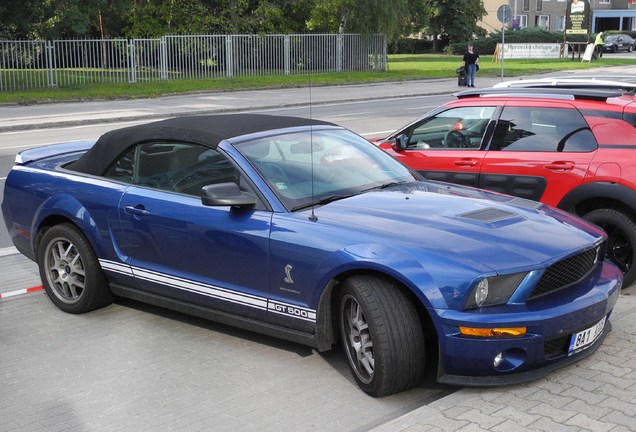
[62, 63]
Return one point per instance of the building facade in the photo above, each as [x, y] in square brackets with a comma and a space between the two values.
[550, 14]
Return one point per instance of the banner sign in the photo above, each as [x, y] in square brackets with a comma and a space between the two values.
[577, 17]
[529, 50]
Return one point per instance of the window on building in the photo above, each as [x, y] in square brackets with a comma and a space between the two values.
[560, 23]
[542, 22]
[523, 20]
[539, 5]
[526, 5]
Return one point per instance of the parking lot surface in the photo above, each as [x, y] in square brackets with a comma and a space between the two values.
[131, 367]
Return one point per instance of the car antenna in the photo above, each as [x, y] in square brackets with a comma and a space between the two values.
[313, 216]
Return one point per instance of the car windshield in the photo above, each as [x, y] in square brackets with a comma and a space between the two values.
[312, 168]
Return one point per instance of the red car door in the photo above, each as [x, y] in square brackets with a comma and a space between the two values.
[538, 152]
[446, 146]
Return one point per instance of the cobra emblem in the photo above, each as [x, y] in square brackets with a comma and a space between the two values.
[288, 269]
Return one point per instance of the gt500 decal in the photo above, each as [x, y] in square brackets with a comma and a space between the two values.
[292, 311]
[246, 300]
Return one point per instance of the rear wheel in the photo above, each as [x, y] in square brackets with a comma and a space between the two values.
[70, 272]
[621, 232]
[381, 334]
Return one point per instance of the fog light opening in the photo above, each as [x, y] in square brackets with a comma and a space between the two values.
[509, 360]
[498, 359]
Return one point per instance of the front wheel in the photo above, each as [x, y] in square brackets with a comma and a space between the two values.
[621, 232]
[70, 272]
[382, 336]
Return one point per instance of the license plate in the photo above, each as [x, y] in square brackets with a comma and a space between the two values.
[583, 339]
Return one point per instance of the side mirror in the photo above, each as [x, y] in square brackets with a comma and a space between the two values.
[226, 194]
[401, 141]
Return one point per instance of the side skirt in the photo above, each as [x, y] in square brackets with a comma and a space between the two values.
[217, 316]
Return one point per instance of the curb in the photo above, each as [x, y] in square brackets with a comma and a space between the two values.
[21, 292]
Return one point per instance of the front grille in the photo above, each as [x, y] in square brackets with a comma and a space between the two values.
[566, 272]
[556, 347]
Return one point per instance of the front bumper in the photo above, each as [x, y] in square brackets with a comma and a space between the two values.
[550, 323]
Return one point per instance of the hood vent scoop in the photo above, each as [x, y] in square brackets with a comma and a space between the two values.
[488, 215]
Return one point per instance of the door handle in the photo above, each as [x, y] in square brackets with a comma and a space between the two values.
[560, 166]
[136, 211]
[467, 162]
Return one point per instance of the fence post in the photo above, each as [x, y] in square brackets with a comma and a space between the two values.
[131, 65]
[229, 58]
[339, 52]
[163, 49]
[287, 54]
[50, 65]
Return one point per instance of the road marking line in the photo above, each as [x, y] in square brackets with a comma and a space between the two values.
[20, 292]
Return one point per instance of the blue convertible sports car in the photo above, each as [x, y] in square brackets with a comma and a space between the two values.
[303, 230]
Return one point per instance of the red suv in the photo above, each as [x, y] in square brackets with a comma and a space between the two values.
[572, 148]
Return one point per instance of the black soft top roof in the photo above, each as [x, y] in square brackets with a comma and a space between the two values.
[207, 130]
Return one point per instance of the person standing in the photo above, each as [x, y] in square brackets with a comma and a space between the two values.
[471, 60]
[598, 42]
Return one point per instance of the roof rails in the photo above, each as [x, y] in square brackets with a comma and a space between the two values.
[545, 92]
[627, 83]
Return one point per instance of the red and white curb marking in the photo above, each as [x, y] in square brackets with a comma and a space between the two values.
[20, 292]
[13, 251]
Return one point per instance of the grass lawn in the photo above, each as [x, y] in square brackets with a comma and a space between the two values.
[400, 67]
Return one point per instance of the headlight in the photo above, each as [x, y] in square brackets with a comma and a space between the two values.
[494, 290]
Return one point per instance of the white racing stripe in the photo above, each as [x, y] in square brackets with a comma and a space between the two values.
[248, 300]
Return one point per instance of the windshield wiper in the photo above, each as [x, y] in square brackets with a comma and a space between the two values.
[332, 198]
[386, 185]
[390, 184]
[325, 200]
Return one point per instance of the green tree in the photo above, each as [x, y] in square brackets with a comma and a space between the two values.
[392, 17]
[25, 21]
[151, 18]
[455, 20]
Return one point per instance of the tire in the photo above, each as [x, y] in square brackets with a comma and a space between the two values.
[70, 272]
[381, 335]
[621, 231]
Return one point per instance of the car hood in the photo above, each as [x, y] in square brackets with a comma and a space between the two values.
[464, 224]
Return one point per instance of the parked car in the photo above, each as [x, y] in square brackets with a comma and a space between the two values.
[618, 42]
[572, 148]
[303, 230]
[578, 81]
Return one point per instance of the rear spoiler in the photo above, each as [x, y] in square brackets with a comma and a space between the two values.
[38, 153]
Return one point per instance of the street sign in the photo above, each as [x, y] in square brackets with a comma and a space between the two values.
[504, 14]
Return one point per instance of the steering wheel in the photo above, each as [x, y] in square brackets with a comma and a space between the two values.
[455, 139]
[275, 175]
